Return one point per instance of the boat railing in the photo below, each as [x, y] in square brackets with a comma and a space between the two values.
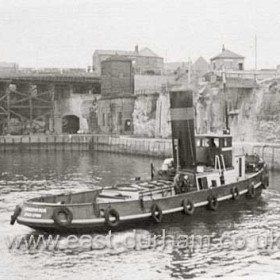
[151, 192]
[268, 152]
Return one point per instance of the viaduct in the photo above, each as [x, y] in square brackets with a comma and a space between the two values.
[48, 103]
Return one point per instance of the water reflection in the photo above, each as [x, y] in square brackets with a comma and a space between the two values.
[26, 175]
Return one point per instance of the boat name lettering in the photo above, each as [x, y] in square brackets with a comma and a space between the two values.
[33, 215]
[38, 210]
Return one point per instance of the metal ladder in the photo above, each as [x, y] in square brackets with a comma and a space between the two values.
[218, 165]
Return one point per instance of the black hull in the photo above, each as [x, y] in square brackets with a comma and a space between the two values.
[199, 198]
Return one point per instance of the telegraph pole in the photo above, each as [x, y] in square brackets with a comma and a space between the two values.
[256, 57]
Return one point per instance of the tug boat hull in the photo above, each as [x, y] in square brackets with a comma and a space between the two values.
[41, 214]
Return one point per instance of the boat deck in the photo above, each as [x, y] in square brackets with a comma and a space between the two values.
[154, 189]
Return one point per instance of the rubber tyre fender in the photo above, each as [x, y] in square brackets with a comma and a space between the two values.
[235, 193]
[111, 212]
[156, 213]
[15, 215]
[213, 203]
[67, 212]
[251, 190]
[265, 180]
[188, 206]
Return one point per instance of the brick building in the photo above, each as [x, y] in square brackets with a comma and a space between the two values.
[115, 107]
[227, 60]
[145, 61]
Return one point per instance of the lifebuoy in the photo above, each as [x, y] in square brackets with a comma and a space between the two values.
[213, 202]
[15, 215]
[235, 193]
[188, 206]
[57, 216]
[111, 212]
[251, 190]
[156, 213]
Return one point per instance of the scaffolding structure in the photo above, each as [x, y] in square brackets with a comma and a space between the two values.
[26, 100]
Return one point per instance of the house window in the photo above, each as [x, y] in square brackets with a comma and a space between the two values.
[103, 119]
[240, 66]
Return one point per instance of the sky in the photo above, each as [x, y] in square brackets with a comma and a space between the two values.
[65, 33]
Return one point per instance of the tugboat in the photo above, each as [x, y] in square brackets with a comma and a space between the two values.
[204, 173]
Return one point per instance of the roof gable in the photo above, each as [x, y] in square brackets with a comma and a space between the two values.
[147, 52]
[227, 54]
[200, 61]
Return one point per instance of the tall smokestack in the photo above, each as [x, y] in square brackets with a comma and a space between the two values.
[182, 125]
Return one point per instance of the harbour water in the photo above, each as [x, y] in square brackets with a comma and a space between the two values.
[239, 239]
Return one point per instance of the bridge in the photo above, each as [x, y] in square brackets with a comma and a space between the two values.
[46, 102]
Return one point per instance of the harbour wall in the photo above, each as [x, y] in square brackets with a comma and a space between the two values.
[162, 148]
[45, 142]
[154, 147]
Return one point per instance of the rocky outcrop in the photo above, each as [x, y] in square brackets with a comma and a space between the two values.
[144, 115]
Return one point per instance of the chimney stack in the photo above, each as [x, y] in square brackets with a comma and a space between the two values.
[136, 49]
[182, 125]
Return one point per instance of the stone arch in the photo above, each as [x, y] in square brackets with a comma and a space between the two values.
[70, 124]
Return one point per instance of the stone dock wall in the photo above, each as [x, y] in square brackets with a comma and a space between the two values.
[161, 148]
[154, 147]
[45, 142]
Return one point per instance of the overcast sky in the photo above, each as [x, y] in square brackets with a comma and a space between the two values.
[65, 33]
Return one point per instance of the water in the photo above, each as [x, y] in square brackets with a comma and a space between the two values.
[26, 175]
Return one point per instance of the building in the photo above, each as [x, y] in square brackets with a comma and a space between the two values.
[8, 67]
[145, 61]
[117, 76]
[116, 105]
[227, 60]
[200, 67]
[175, 68]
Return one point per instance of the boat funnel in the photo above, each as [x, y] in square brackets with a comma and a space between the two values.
[182, 126]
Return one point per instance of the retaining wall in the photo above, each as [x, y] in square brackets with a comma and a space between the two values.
[45, 142]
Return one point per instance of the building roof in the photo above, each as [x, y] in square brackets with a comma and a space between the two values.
[201, 64]
[114, 52]
[147, 52]
[117, 57]
[226, 54]
[142, 52]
